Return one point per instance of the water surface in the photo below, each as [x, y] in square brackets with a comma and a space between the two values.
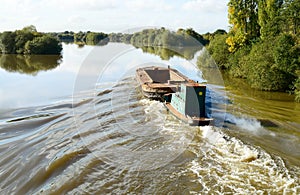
[84, 127]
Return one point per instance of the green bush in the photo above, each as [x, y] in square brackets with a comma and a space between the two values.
[7, 42]
[219, 50]
[238, 62]
[93, 38]
[286, 53]
[264, 72]
[29, 41]
[43, 45]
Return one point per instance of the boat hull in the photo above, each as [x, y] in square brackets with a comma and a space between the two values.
[157, 92]
[193, 121]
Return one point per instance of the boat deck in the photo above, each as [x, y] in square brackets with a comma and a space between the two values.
[157, 81]
[160, 75]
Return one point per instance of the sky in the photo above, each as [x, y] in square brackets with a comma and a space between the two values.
[113, 15]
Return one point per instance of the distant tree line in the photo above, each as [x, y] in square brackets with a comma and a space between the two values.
[147, 37]
[167, 38]
[262, 46]
[28, 41]
[120, 37]
[86, 38]
[163, 42]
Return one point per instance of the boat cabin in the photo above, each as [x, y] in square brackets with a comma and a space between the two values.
[190, 100]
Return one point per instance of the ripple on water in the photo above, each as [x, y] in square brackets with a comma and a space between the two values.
[118, 143]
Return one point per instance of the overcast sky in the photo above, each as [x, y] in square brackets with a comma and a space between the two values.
[113, 15]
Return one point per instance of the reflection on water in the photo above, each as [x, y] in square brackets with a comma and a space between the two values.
[35, 80]
[29, 64]
[166, 53]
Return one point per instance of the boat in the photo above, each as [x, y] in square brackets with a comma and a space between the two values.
[183, 97]
[158, 81]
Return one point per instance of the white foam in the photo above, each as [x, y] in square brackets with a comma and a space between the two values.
[239, 168]
[211, 135]
[249, 124]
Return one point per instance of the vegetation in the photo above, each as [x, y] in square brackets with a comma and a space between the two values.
[82, 38]
[148, 37]
[166, 38]
[28, 41]
[163, 42]
[43, 45]
[93, 38]
[66, 36]
[119, 37]
[262, 46]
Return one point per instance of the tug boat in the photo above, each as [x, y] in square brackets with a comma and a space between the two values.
[183, 97]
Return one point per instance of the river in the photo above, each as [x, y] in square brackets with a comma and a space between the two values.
[79, 125]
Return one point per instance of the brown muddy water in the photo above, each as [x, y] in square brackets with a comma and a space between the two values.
[58, 136]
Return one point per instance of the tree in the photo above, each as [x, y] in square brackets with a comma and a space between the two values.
[286, 54]
[93, 38]
[263, 42]
[43, 45]
[243, 16]
[22, 36]
[269, 17]
[80, 37]
[291, 13]
[7, 43]
[267, 69]
[193, 34]
[30, 28]
[15, 42]
[219, 50]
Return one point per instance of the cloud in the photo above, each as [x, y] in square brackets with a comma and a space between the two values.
[206, 5]
[112, 15]
[76, 19]
[155, 5]
[95, 5]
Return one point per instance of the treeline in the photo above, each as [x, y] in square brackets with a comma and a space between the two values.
[163, 42]
[28, 41]
[147, 37]
[167, 38]
[262, 46]
[87, 38]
